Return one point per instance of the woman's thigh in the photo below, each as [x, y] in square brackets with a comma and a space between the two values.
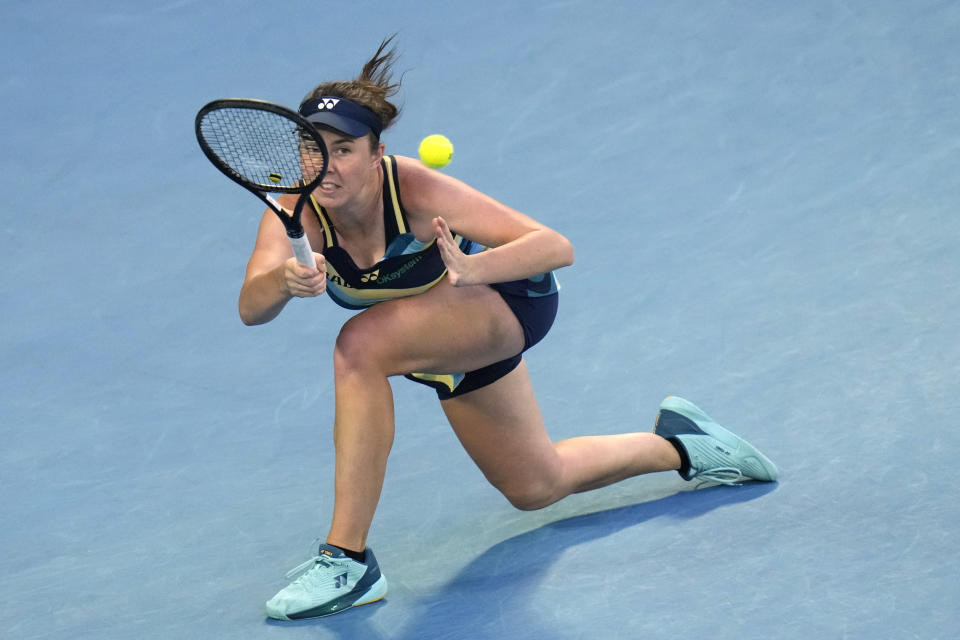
[442, 330]
[502, 430]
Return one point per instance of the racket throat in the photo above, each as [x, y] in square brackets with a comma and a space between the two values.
[294, 230]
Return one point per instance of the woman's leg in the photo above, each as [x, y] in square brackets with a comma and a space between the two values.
[501, 428]
[444, 330]
[362, 435]
[449, 329]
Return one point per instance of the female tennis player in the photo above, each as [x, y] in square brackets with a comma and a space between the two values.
[452, 287]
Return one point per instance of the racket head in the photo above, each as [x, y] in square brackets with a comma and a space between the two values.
[262, 146]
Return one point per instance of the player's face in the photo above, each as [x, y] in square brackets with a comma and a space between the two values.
[349, 168]
[311, 158]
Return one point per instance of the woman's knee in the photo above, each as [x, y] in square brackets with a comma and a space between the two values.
[530, 497]
[357, 347]
[533, 491]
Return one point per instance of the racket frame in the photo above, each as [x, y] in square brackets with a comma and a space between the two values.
[291, 220]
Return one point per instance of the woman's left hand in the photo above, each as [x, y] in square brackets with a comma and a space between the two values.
[456, 261]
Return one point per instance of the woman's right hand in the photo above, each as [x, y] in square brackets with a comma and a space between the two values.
[274, 277]
[303, 282]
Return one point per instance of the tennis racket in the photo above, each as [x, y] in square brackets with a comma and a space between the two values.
[266, 149]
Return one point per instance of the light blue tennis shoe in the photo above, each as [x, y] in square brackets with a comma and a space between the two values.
[716, 455]
[328, 583]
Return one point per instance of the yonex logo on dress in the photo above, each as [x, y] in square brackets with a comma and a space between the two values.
[327, 103]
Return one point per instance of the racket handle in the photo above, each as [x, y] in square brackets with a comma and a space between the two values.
[301, 249]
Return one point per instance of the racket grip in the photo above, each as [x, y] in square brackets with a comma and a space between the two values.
[302, 250]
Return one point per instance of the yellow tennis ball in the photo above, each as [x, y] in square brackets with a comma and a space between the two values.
[436, 151]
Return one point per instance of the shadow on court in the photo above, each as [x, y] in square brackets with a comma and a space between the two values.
[495, 595]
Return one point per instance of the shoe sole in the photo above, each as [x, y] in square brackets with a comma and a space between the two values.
[376, 593]
[705, 425]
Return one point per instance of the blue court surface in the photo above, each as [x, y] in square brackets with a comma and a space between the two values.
[763, 197]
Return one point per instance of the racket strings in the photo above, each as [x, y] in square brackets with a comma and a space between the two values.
[263, 148]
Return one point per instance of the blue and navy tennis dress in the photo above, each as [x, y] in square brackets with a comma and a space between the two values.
[410, 267]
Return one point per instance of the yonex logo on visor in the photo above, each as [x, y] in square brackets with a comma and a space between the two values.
[341, 114]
